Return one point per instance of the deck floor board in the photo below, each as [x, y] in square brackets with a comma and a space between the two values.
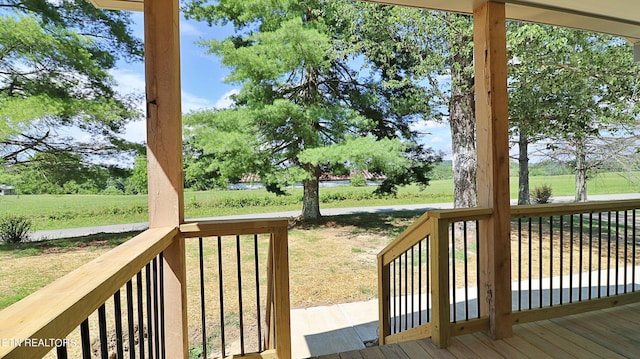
[609, 333]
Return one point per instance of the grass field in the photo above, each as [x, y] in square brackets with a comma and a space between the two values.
[69, 211]
[342, 248]
[345, 244]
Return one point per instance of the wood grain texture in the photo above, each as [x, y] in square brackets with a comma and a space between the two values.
[419, 332]
[164, 113]
[492, 119]
[57, 309]
[440, 322]
[281, 302]
[231, 227]
[610, 333]
[384, 300]
[558, 209]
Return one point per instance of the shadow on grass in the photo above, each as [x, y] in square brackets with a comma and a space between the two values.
[389, 223]
[25, 249]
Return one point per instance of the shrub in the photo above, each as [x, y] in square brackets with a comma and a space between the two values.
[358, 180]
[541, 195]
[112, 190]
[14, 229]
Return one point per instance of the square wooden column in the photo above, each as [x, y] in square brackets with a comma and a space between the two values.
[164, 113]
[164, 155]
[490, 56]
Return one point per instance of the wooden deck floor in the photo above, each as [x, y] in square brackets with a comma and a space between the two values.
[610, 333]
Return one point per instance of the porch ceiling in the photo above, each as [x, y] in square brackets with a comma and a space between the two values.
[616, 17]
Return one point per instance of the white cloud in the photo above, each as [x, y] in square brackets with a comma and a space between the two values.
[430, 124]
[192, 102]
[136, 131]
[189, 29]
[128, 81]
[133, 82]
[226, 101]
[427, 126]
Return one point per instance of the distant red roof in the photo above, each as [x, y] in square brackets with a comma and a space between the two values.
[253, 178]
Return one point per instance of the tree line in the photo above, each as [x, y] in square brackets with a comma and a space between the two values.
[325, 87]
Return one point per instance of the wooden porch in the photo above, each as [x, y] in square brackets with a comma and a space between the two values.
[607, 333]
[591, 270]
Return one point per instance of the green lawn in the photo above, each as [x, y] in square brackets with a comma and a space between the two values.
[606, 183]
[68, 211]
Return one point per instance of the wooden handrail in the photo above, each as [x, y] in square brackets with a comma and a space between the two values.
[57, 309]
[462, 214]
[557, 209]
[421, 228]
[213, 228]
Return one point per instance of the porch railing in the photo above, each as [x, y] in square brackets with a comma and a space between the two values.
[243, 283]
[115, 305]
[574, 258]
[417, 272]
[566, 259]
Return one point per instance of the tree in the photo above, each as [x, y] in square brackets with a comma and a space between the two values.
[304, 102]
[54, 63]
[138, 181]
[461, 106]
[57, 173]
[434, 50]
[529, 84]
[573, 88]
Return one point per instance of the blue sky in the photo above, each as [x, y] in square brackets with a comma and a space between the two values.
[203, 83]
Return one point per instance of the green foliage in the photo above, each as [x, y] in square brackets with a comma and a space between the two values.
[550, 168]
[574, 91]
[71, 211]
[424, 47]
[443, 170]
[54, 73]
[138, 181]
[357, 180]
[221, 147]
[305, 107]
[112, 190]
[14, 228]
[541, 194]
[62, 173]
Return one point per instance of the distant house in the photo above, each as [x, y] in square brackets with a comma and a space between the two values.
[7, 190]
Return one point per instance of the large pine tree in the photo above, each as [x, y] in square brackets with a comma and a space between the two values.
[309, 102]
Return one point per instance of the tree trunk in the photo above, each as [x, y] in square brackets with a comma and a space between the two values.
[523, 169]
[311, 196]
[463, 123]
[581, 172]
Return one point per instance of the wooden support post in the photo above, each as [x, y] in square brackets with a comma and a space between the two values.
[164, 113]
[281, 304]
[164, 155]
[441, 319]
[384, 298]
[492, 118]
